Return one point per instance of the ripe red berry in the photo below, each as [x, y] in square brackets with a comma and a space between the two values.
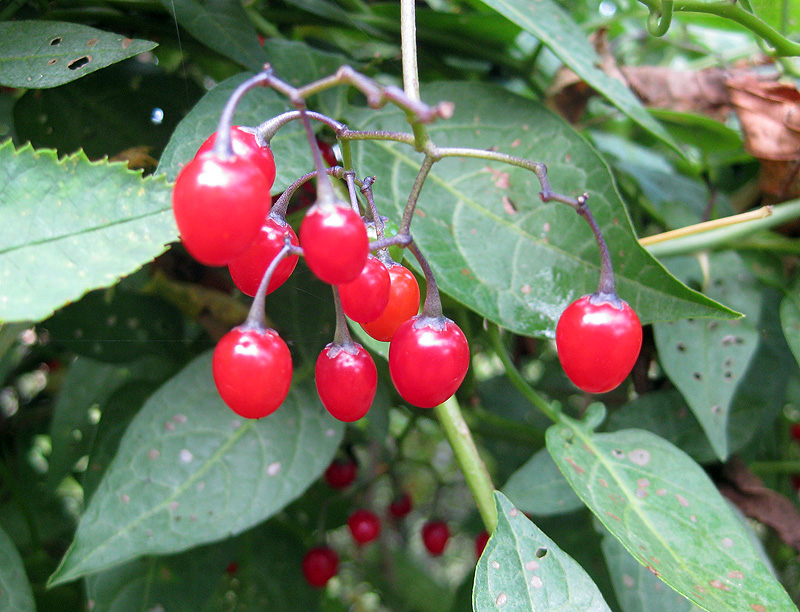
[252, 370]
[219, 206]
[248, 269]
[435, 535]
[245, 145]
[346, 380]
[334, 242]
[320, 564]
[480, 543]
[403, 304]
[364, 526]
[428, 360]
[341, 473]
[598, 340]
[327, 152]
[400, 506]
[794, 432]
[365, 298]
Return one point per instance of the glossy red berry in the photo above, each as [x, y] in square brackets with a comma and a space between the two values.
[598, 340]
[252, 371]
[364, 526]
[365, 298]
[219, 206]
[428, 360]
[341, 473]
[320, 564]
[248, 269]
[480, 543]
[400, 506]
[403, 304]
[435, 535]
[327, 152]
[346, 380]
[245, 145]
[334, 242]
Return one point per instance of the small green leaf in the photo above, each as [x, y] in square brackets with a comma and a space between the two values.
[493, 244]
[39, 54]
[669, 515]
[15, 590]
[71, 225]
[707, 360]
[523, 570]
[189, 471]
[552, 25]
[539, 488]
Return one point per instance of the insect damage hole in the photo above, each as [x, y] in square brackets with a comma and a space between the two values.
[79, 62]
[541, 552]
[56, 41]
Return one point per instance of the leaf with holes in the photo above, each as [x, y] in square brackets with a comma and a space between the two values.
[707, 360]
[521, 569]
[189, 471]
[39, 54]
[666, 511]
[493, 245]
[539, 488]
[72, 225]
[637, 589]
[15, 590]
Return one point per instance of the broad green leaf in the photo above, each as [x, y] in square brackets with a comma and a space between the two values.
[493, 245]
[223, 25]
[783, 15]
[707, 360]
[638, 590]
[15, 590]
[553, 26]
[71, 225]
[521, 569]
[39, 54]
[539, 488]
[189, 471]
[117, 326]
[790, 320]
[669, 515]
[80, 406]
[294, 62]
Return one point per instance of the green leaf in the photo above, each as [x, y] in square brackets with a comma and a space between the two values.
[39, 54]
[790, 320]
[15, 590]
[493, 245]
[707, 360]
[189, 471]
[71, 225]
[638, 590]
[223, 25]
[521, 569]
[294, 62]
[553, 26]
[783, 15]
[539, 488]
[669, 515]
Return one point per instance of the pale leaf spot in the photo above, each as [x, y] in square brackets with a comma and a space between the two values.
[513, 512]
[501, 599]
[531, 566]
[173, 505]
[180, 418]
[526, 289]
[125, 498]
[516, 143]
[693, 518]
[639, 456]
[614, 516]
[682, 500]
[169, 426]
[578, 469]
[154, 454]
[186, 456]
[758, 608]
[536, 582]
[643, 482]
[495, 565]
[274, 468]
[736, 575]
[628, 581]
[661, 492]
[330, 433]
[602, 482]
[641, 493]
[718, 584]
[727, 542]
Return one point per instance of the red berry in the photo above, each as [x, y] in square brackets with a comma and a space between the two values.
[796, 482]
[346, 380]
[245, 145]
[248, 269]
[435, 535]
[335, 243]
[252, 370]
[327, 152]
[400, 506]
[403, 304]
[480, 543]
[341, 473]
[598, 340]
[365, 298]
[794, 432]
[428, 360]
[320, 564]
[364, 526]
[219, 206]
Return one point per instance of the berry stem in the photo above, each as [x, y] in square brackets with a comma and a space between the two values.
[281, 205]
[222, 146]
[349, 178]
[459, 436]
[341, 335]
[433, 302]
[413, 196]
[257, 317]
[325, 193]
[606, 287]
